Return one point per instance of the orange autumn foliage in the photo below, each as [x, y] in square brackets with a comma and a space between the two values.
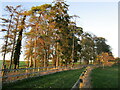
[106, 59]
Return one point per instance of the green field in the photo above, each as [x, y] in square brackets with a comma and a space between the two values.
[0, 62]
[105, 78]
[22, 64]
[65, 79]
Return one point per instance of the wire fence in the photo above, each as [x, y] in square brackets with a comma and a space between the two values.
[11, 75]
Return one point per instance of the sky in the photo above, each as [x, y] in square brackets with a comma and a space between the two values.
[97, 17]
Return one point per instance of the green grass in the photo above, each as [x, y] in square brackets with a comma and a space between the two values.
[0, 62]
[105, 78]
[22, 64]
[65, 79]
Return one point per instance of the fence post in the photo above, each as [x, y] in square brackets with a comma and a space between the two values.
[26, 72]
[81, 83]
[38, 70]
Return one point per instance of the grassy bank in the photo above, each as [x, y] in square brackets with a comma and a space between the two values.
[65, 79]
[105, 78]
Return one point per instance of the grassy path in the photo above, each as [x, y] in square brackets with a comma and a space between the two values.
[105, 78]
[65, 79]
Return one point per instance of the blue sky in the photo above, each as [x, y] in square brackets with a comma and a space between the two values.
[99, 18]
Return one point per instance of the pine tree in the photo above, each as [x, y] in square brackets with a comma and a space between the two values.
[18, 44]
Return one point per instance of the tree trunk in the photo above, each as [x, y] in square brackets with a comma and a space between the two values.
[44, 60]
[14, 41]
[28, 62]
[57, 58]
[35, 53]
[18, 45]
[6, 42]
[31, 62]
[86, 62]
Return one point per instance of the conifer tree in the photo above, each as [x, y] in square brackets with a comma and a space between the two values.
[18, 44]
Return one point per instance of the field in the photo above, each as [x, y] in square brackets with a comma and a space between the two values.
[0, 62]
[105, 78]
[100, 78]
[22, 64]
[65, 79]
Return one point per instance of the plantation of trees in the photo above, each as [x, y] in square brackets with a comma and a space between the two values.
[50, 35]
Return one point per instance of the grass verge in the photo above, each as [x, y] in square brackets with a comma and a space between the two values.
[65, 79]
[105, 78]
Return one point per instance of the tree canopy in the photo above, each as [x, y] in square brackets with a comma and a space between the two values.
[50, 34]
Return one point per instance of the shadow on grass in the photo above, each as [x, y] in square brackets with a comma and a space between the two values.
[65, 79]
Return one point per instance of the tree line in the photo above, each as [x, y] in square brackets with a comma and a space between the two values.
[51, 35]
